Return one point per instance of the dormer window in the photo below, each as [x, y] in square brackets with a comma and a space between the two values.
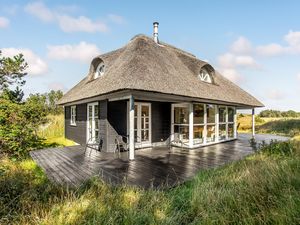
[99, 70]
[205, 76]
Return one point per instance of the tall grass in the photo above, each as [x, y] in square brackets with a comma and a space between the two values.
[262, 189]
[53, 131]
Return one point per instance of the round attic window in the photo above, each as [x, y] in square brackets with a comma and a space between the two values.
[205, 76]
[99, 70]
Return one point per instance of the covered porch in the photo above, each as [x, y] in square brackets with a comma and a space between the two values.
[157, 167]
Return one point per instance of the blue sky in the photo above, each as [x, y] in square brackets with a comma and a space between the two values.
[256, 44]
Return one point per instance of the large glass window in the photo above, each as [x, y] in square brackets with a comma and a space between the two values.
[198, 114]
[211, 122]
[181, 115]
[222, 132]
[181, 123]
[222, 114]
[231, 130]
[198, 123]
[230, 114]
[210, 112]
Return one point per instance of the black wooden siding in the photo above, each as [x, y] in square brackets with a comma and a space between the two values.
[117, 116]
[113, 121]
[76, 133]
[161, 121]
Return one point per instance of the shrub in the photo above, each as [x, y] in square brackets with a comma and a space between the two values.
[18, 127]
[286, 148]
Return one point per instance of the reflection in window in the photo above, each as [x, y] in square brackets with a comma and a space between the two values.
[222, 132]
[181, 115]
[181, 133]
[231, 130]
[198, 113]
[211, 133]
[210, 112]
[230, 114]
[198, 134]
[222, 114]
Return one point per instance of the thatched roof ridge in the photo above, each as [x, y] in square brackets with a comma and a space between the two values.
[144, 65]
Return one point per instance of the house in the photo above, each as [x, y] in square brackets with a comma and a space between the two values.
[155, 94]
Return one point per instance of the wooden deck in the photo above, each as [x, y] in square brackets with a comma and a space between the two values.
[156, 167]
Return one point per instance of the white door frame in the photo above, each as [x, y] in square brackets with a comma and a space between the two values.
[93, 104]
[139, 125]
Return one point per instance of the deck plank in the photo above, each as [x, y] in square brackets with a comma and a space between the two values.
[154, 167]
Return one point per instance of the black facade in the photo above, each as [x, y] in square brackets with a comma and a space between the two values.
[76, 132]
[113, 122]
[161, 121]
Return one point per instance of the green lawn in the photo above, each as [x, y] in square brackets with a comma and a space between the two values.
[263, 188]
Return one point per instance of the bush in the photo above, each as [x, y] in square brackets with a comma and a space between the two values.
[287, 148]
[18, 127]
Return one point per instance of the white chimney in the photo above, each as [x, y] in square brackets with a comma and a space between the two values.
[155, 31]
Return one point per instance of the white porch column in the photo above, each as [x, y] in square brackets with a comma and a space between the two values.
[131, 128]
[205, 125]
[226, 122]
[191, 125]
[235, 123]
[217, 123]
[253, 123]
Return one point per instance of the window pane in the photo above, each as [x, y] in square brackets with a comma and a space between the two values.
[90, 111]
[222, 114]
[211, 133]
[230, 131]
[230, 114]
[181, 115]
[210, 110]
[135, 110]
[96, 111]
[198, 134]
[181, 132]
[198, 113]
[145, 110]
[222, 132]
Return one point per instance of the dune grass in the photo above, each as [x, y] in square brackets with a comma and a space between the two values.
[53, 131]
[261, 189]
[281, 126]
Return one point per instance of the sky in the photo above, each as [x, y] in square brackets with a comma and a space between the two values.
[255, 44]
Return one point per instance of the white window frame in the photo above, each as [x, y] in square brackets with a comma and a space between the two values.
[143, 144]
[231, 122]
[73, 115]
[196, 141]
[99, 73]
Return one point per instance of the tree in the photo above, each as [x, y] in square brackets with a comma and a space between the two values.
[52, 98]
[12, 71]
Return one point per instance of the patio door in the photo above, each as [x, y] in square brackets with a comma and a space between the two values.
[142, 124]
[92, 121]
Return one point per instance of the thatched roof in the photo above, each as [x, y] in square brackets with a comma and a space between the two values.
[145, 65]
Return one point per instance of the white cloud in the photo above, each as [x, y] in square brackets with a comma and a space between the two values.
[272, 49]
[4, 22]
[40, 10]
[232, 75]
[229, 60]
[275, 94]
[36, 66]
[241, 46]
[83, 24]
[293, 38]
[57, 86]
[298, 76]
[66, 22]
[82, 52]
[293, 46]
[116, 19]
